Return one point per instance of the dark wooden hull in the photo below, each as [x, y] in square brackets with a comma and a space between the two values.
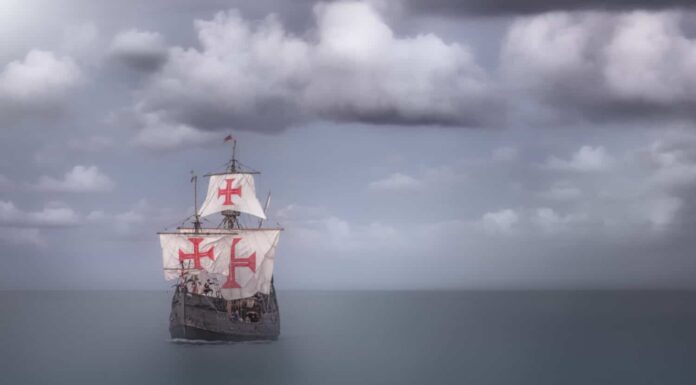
[199, 317]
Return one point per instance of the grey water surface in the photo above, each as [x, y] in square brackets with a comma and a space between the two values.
[397, 337]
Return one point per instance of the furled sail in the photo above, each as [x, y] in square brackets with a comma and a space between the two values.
[231, 192]
[243, 259]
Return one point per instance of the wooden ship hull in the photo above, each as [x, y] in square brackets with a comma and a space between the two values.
[206, 318]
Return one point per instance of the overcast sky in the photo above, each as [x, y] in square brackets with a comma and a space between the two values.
[408, 144]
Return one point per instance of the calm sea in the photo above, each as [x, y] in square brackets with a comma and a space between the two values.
[542, 337]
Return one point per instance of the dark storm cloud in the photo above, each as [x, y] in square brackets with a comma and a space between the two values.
[513, 7]
[141, 50]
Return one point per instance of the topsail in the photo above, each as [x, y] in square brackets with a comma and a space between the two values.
[233, 191]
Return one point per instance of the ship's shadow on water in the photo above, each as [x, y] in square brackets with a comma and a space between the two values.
[543, 337]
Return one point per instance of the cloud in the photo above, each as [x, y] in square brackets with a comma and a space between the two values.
[551, 222]
[257, 76]
[602, 66]
[586, 159]
[160, 135]
[396, 181]
[501, 221]
[79, 179]
[645, 187]
[138, 222]
[317, 229]
[140, 50]
[450, 8]
[53, 215]
[22, 227]
[38, 84]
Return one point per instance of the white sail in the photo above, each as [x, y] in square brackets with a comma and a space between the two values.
[231, 192]
[243, 259]
[191, 252]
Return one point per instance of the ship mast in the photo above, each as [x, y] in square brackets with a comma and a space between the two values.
[197, 217]
[231, 220]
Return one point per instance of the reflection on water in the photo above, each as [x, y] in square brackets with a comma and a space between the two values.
[544, 337]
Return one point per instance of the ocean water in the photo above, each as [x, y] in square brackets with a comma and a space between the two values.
[467, 337]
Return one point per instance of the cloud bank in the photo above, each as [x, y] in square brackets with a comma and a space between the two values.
[603, 66]
[353, 67]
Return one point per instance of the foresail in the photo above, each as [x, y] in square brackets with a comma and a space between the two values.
[231, 192]
[191, 252]
[242, 259]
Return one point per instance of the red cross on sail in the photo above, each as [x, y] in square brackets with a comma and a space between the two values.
[232, 191]
[228, 191]
[197, 255]
[249, 262]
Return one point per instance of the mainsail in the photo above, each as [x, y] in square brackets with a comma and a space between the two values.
[242, 258]
[232, 191]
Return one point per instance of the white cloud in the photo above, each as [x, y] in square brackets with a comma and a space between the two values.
[500, 221]
[79, 179]
[258, 76]
[142, 50]
[674, 164]
[651, 58]
[587, 158]
[39, 83]
[51, 216]
[138, 222]
[23, 227]
[316, 229]
[602, 64]
[551, 222]
[396, 181]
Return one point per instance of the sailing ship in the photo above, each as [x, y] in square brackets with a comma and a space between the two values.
[224, 289]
